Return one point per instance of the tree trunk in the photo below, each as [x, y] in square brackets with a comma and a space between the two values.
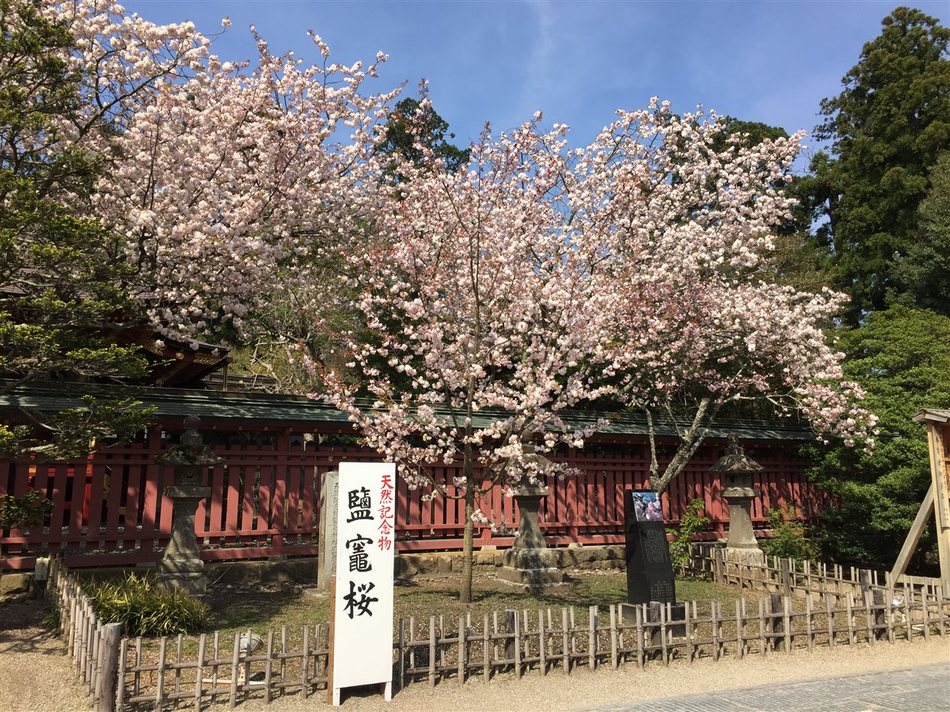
[468, 540]
[468, 545]
[690, 440]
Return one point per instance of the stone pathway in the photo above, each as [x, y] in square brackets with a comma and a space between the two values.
[920, 689]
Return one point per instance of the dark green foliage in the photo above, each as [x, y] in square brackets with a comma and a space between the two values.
[888, 127]
[145, 607]
[924, 269]
[691, 523]
[902, 358]
[412, 125]
[788, 536]
[62, 277]
[28, 510]
[753, 132]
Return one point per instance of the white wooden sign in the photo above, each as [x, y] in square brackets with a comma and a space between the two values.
[363, 606]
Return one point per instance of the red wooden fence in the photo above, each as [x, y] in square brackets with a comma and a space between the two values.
[110, 510]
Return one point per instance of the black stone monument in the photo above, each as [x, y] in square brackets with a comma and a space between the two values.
[650, 577]
[649, 567]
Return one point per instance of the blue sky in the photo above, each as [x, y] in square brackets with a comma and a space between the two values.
[575, 61]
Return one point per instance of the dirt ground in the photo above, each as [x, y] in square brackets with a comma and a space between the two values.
[35, 676]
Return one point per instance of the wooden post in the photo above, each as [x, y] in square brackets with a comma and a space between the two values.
[120, 677]
[830, 618]
[432, 650]
[849, 600]
[542, 644]
[235, 658]
[714, 623]
[160, 683]
[664, 621]
[565, 643]
[108, 672]
[268, 666]
[809, 630]
[775, 616]
[331, 696]
[486, 664]
[639, 615]
[787, 622]
[511, 616]
[461, 658]
[614, 661]
[305, 663]
[199, 673]
[592, 638]
[880, 616]
[740, 644]
[517, 645]
[941, 615]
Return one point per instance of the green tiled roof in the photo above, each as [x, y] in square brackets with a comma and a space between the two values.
[173, 404]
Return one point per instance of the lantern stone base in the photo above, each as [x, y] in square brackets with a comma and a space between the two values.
[747, 556]
[181, 565]
[186, 574]
[531, 569]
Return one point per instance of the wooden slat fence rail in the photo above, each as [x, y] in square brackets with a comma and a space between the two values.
[92, 645]
[188, 672]
[791, 576]
[110, 510]
[195, 671]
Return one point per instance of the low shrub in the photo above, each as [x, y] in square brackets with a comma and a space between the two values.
[145, 607]
[28, 510]
[691, 523]
[788, 536]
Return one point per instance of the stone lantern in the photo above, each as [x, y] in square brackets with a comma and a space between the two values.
[181, 565]
[736, 470]
[529, 563]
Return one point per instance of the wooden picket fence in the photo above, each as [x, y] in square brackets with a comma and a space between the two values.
[524, 642]
[803, 577]
[92, 645]
[195, 671]
[206, 670]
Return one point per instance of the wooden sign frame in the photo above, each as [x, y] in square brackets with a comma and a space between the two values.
[936, 502]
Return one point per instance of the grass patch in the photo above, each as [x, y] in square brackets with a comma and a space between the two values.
[424, 597]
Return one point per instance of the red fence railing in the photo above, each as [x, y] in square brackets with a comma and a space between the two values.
[110, 510]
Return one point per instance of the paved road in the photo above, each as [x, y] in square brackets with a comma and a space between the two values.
[920, 689]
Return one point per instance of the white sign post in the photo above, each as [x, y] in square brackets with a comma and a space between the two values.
[363, 604]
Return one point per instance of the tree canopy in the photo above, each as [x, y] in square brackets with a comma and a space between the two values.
[887, 128]
[901, 357]
[61, 279]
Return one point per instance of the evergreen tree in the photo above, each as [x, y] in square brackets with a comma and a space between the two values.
[414, 128]
[901, 357]
[887, 127]
[60, 274]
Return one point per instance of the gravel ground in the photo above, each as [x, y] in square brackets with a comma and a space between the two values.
[36, 677]
[35, 674]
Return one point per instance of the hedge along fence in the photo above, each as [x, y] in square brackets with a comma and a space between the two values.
[195, 671]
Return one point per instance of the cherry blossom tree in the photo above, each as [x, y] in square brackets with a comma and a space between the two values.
[697, 325]
[542, 277]
[485, 321]
[222, 181]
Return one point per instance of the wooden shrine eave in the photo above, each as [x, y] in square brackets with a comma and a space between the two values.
[248, 410]
[932, 415]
